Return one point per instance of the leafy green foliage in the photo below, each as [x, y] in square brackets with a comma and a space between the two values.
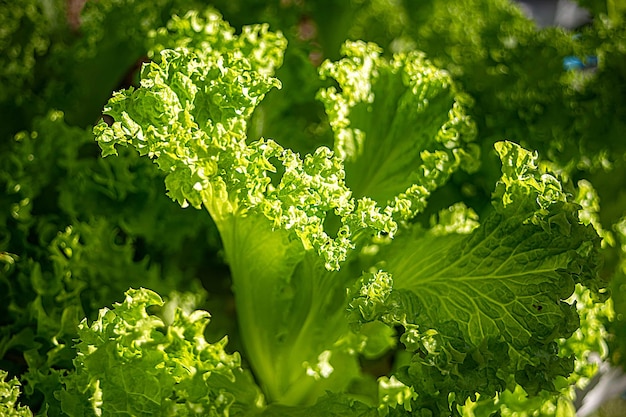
[132, 362]
[386, 157]
[340, 208]
[491, 302]
[9, 393]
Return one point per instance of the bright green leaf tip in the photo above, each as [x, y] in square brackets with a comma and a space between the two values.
[9, 393]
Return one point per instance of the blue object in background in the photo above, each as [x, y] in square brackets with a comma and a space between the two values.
[571, 63]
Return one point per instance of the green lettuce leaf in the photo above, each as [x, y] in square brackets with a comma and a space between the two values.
[210, 163]
[587, 345]
[206, 30]
[131, 361]
[400, 125]
[477, 308]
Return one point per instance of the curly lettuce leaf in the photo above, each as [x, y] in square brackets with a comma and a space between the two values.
[400, 125]
[9, 393]
[478, 308]
[206, 30]
[131, 361]
[210, 95]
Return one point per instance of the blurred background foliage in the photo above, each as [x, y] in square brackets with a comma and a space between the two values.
[77, 230]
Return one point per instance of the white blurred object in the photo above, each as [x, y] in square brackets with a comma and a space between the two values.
[564, 13]
[608, 383]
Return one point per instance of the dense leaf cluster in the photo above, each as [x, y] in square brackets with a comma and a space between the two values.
[389, 209]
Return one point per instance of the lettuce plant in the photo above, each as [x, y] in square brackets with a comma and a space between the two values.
[326, 262]
[390, 252]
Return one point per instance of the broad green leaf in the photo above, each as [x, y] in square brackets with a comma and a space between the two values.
[481, 306]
